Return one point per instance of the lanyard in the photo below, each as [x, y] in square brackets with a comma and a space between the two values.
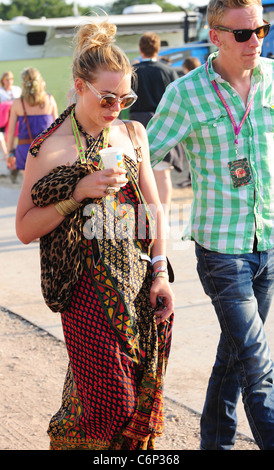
[78, 139]
[236, 128]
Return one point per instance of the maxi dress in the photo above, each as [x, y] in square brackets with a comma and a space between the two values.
[113, 391]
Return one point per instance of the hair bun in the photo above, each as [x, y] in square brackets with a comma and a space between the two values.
[93, 35]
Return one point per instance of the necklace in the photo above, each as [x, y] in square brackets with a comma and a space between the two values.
[77, 128]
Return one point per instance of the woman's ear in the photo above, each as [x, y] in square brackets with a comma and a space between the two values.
[79, 85]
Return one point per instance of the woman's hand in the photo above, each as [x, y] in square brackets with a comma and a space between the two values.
[95, 184]
[162, 299]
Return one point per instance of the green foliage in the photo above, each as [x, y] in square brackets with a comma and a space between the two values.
[35, 9]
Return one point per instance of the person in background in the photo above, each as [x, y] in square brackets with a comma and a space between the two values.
[102, 266]
[223, 113]
[190, 63]
[152, 78]
[34, 111]
[8, 92]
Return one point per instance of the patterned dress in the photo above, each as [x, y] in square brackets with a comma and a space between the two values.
[113, 392]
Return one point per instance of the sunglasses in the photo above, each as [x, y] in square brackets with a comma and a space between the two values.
[243, 35]
[106, 101]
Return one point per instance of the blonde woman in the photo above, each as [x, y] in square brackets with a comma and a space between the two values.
[34, 111]
[94, 229]
[8, 91]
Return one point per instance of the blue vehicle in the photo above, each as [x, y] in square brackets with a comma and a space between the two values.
[201, 48]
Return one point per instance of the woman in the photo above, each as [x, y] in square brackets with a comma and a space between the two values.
[34, 111]
[8, 91]
[99, 275]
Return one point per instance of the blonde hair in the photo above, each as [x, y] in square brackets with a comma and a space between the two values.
[95, 50]
[33, 86]
[217, 8]
[5, 74]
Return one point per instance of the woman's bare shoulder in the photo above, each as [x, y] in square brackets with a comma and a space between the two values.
[57, 149]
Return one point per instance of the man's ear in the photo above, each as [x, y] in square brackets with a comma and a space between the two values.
[214, 37]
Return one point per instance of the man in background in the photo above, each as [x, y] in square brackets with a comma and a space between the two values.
[153, 76]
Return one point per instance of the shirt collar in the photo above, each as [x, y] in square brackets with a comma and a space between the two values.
[257, 71]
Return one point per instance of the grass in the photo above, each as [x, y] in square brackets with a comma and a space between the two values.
[55, 71]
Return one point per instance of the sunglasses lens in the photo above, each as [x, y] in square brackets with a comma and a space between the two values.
[127, 102]
[263, 31]
[243, 35]
[107, 101]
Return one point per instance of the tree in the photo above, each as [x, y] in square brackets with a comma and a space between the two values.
[35, 9]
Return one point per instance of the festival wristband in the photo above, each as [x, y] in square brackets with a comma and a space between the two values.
[158, 258]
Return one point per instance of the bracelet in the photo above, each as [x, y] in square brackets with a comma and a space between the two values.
[158, 258]
[11, 153]
[66, 207]
[161, 268]
[161, 274]
[160, 271]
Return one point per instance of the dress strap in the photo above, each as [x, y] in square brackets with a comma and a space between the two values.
[132, 134]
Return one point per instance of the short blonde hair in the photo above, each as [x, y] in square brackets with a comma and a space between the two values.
[33, 86]
[217, 8]
[95, 50]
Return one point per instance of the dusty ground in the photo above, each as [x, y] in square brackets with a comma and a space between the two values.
[32, 371]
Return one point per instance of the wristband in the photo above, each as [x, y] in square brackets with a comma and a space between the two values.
[158, 258]
[160, 271]
[161, 268]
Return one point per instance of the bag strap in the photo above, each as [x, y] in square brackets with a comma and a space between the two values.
[132, 134]
[26, 119]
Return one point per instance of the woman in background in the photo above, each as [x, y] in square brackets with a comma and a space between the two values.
[8, 92]
[34, 111]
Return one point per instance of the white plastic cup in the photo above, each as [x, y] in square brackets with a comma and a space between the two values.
[112, 157]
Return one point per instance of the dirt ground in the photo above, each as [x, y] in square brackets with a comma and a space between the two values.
[32, 372]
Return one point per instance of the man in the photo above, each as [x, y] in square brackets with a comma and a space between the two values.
[152, 78]
[223, 113]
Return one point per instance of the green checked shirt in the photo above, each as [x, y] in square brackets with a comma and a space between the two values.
[233, 196]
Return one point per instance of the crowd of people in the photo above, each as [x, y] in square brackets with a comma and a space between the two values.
[111, 283]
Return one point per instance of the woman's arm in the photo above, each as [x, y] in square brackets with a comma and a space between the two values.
[12, 125]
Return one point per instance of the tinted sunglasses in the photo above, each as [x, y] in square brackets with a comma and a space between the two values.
[243, 35]
[108, 100]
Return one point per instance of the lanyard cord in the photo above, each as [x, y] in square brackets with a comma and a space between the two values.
[236, 128]
[78, 139]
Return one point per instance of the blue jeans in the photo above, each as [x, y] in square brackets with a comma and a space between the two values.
[241, 288]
